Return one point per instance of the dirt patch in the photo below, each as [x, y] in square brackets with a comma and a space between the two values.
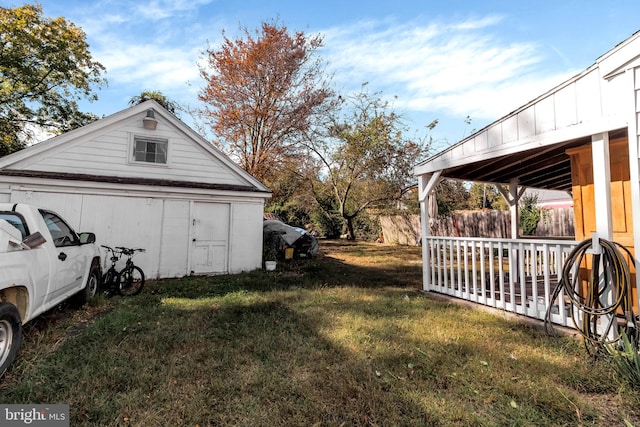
[87, 320]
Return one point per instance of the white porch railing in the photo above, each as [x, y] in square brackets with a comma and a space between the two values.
[514, 275]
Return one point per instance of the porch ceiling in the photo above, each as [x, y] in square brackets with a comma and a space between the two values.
[547, 167]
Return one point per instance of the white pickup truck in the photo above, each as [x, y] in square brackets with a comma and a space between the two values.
[43, 262]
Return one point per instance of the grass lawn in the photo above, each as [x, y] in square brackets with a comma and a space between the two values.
[345, 339]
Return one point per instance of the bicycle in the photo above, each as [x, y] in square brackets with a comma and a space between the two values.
[127, 282]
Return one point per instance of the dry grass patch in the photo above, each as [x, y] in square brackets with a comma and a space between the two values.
[346, 339]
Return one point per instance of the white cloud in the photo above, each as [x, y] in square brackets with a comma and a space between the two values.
[156, 66]
[462, 67]
[436, 68]
[142, 49]
[162, 9]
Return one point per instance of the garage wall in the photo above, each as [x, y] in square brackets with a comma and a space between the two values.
[174, 256]
[245, 250]
[116, 221]
[131, 222]
[165, 228]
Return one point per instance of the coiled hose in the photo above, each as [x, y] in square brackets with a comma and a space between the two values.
[594, 313]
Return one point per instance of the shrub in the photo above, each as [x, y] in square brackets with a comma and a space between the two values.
[529, 215]
[625, 360]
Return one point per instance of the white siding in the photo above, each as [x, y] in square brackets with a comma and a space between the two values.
[566, 106]
[174, 257]
[567, 113]
[159, 219]
[131, 222]
[545, 115]
[161, 226]
[109, 152]
[246, 237]
[588, 97]
[527, 122]
[509, 130]
[68, 205]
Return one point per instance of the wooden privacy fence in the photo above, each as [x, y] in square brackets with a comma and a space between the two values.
[405, 229]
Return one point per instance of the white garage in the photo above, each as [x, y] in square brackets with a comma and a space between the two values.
[142, 178]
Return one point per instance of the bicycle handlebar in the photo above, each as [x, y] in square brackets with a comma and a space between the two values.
[123, 250]
[129, 251]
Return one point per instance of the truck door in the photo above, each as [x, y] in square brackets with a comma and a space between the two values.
[69, 260]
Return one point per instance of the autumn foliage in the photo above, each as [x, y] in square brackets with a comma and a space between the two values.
[261, 95]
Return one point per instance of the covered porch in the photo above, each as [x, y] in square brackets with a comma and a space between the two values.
[580, 137]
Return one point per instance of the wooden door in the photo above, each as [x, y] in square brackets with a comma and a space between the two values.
[210, 238]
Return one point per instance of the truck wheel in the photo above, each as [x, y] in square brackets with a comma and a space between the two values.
[89, 290]
[10, 334]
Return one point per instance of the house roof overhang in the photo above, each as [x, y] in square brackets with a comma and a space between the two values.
[75, 177]
[544, 167]
[530, 143]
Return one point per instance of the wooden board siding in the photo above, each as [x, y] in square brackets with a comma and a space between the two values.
[533, 125]
[584, 203]
[583, 192]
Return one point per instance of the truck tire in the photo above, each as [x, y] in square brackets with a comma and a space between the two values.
[90, 290]
[10, 335]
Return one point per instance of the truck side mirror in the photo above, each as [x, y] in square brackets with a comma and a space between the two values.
[86, 238]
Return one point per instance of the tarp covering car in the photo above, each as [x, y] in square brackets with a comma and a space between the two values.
[303, 243]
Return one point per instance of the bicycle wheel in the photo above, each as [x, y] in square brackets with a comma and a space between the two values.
[130, 281]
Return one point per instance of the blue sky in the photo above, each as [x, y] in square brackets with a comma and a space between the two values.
[442, 60]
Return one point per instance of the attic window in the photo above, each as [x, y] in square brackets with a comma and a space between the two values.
[150, 150]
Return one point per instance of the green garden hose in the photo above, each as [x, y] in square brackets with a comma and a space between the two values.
[595, 314]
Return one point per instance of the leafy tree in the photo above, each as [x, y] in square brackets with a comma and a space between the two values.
[486, 196]
[289, 199]
[45, 68]
[530, 214]
[157, 96]
[451, 195]
[261, 95]
[364, 161]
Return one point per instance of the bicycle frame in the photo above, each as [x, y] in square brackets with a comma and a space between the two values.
[110, 276]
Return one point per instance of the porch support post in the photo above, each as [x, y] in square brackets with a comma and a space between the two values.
[602, 184]
[513, 197]
[513, 208]
[426, 184]
[602, 204]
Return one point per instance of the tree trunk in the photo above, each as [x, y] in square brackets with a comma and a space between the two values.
[351, 235]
